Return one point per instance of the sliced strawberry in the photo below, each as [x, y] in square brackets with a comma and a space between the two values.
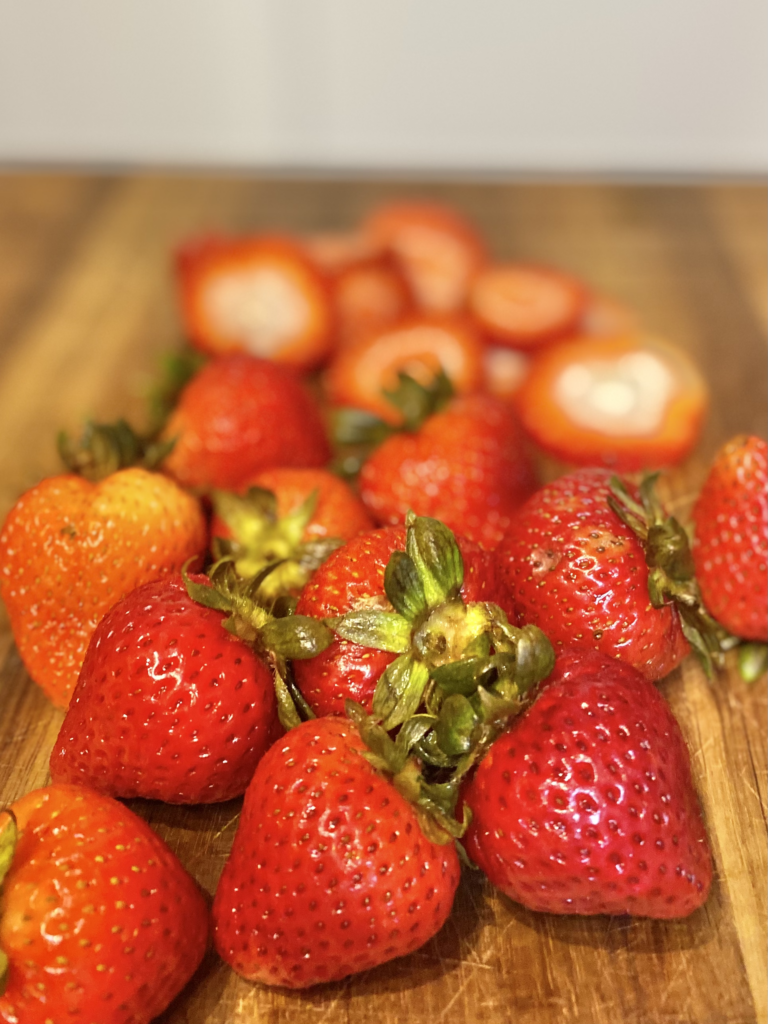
[369, 291]
[524, 306]
[505, 369]
[420, 347]
[630, 403]
[260, 295]
[438, 250]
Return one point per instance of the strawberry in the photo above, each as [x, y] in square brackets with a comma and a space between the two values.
[330, 872]
[100, 922]
[368, 290]
[438, 250]
[174, 702]
[403, 602]
[260, 295]
[525, 306]
[239, 415]
[465, 466]
[363, 375]
[586, 804]
[593, 567]
[730, 546]
[70, 548]
[295, 515]
[630, 402]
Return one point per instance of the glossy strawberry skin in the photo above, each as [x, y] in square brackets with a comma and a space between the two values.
[330, 873]
[579, 573]
[586, 805]
[169, 705]
[353, 577]
[466, 466]
[69, 549]
[100, 920]
[730, 548]
[238, 416]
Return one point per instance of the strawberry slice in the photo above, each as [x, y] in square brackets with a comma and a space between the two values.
[524, 306]
[438, 250]
[260, 295]
[369, 291]
[421, 347]
[630, 403]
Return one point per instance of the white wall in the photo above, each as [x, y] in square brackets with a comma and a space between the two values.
[489, 85]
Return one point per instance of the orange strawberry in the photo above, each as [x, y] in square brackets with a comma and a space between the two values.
[100, 922]
[70, 549]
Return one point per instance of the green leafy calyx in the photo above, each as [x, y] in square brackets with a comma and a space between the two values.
[671, 577]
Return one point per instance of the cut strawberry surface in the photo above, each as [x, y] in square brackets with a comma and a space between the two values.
[437, 249]
[420, 347]
[258, 295]
[630, 402]
[524, 306]
[505, 369]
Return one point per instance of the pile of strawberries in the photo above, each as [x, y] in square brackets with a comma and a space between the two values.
[331, 581]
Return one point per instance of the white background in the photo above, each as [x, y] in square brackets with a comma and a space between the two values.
[490, 85]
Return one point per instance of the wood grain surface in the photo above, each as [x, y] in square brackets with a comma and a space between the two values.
[86, 308]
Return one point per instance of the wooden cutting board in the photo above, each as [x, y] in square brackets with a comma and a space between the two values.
[86, 307]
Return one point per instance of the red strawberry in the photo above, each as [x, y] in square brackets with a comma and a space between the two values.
[260, 295]
[238, 416]
[169, 705]
[586, 804]
[465, 466]
[330, 872]
[587, 579]
[357, 580]
[100, 922]
[70, 549]
[731, 538]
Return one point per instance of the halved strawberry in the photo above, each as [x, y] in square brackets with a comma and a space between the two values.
[628, 402]
[421, 347]
[260, 295]
[437, 248]
[524, 306]
[368, 289]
